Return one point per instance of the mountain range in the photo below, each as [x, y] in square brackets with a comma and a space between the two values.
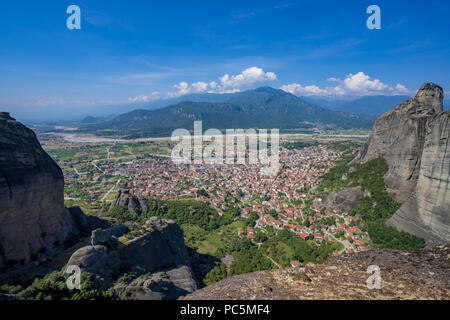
[372, 105]
[56, 115]
[368, 105]
[264, 107]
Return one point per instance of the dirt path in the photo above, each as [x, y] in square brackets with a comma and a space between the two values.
[110, 190]
[273, 261]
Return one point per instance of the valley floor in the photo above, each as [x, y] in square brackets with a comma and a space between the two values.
[261, 206]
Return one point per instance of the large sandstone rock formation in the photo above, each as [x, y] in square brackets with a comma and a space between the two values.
[160, 247]
[427, 213]
[86, 224]
[164, 285]
[159, 256]
[414, 139]
[98, 261]
[421, 274]
[32, 213]
[399, 136]
[345, 199]
[134, 205]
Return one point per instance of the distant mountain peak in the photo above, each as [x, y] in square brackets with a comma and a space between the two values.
[273, 91]
[266, 89]
[263, 107]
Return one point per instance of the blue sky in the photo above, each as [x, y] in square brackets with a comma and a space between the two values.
[135, 51]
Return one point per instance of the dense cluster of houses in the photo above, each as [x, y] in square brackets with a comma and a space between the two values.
[278, 201]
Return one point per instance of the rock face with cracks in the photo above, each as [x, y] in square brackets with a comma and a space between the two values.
[158, 257]
[33, 218]
[399, 136]
[427, 213]
[133, 204]
[414, 139]
[345, 199]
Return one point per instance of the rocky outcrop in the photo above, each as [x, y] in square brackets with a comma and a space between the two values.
[160, 249]
[165, 285]
[98, 261]
[345, 199]
[399, 135]
[414, 139]
[32, 213]
[86, 224]
[421, 274]
[427, 213]
[100, 236]
[134, 205]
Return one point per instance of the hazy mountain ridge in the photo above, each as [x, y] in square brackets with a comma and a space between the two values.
[259, 108]
[366, 105]
[372, 105]
[332, 104]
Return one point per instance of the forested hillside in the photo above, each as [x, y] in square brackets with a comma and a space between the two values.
[376, 206]
[260, 108]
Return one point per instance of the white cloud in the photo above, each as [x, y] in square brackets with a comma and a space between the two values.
[247, 77]
[300, 90]
[402, 89]
[213, 85]
[140, 98]
[182, 89]
[358, 84]
[226, 84]
[145, 98]
[200, 86]
[361, 82]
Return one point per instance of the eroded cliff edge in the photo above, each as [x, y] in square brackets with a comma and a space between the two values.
[156, 259]
[33, 218]
[399, 136]
[427, 213]
[423, 274]
[413, 138]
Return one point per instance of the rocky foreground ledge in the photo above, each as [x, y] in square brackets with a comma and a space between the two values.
[421, 274]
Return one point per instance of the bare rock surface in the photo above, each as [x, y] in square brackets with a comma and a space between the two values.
[32, 213]
[423, 274]
[162, 245]
[164, 285]
[100, 237]
[85, 223]
[399, 135]
[160, 250]
[427, 213]
[345, 199]
[135, 205]
[414, 139]
[105, 236]
[97, 261]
